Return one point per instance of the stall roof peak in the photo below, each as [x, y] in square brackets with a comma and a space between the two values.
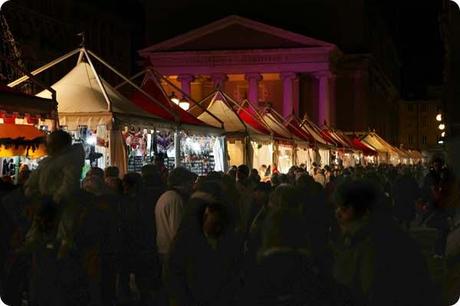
[226, 33]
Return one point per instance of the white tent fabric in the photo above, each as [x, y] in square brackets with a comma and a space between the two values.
[79, 94]
[276, 126]
[263, 154]
[222, 108]
[118, 154]
[235, 149]
[218, 152]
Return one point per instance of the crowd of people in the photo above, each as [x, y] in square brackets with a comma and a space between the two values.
[375, 235]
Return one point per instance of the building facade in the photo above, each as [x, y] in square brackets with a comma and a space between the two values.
[417, 124]
[293, 73]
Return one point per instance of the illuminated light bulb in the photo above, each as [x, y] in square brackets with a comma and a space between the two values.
[439, 117]
[443, 134]
[442, 126]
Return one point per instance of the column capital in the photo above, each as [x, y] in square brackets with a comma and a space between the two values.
[253, 76]
[288, 75]
[323, 74]
[186, 77]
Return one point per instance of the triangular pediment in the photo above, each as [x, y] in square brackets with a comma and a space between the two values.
[237, 33]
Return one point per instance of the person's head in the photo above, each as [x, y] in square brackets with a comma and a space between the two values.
[94, 185]
[111, 171]
[23, 175]
[242, 173]
[131, 183]
[95, 171]
[151, 175]
[354, 200]
[214, 220]
[437, 163]
[181, 178]
[232, 172]
[58, 141]
[114, 184]
[285, 196]
[262, 193]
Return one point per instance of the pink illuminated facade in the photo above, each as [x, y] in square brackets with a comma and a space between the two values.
[293, 73]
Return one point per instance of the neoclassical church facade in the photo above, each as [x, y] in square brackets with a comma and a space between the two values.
[293, 73]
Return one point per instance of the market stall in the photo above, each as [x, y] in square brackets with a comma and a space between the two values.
[201, 145]
[263, 150]
[285, 141]
[239, 134]
[387, 154]
[324, 145]
[24, 122]
[369, 154]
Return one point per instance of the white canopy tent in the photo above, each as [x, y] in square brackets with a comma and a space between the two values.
[245, 144]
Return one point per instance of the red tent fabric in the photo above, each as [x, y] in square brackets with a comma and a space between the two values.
[362, 147]
[152, 107]
[250, 119]
[294, 127]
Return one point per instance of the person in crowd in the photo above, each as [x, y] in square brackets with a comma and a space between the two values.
[58, 175]
[102, 233]
[96, 171]
[232, 171]
[405, 193]
[376, 260]
[111, 171]
[285, 274]
[205, 256]
[169, 210]
[318, 175]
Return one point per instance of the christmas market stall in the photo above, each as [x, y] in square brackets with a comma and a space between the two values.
[387, 154]
[263, 151]
[285, 141]
[369, 154]
[24, 123]
[200, 145]
[239, 134]
[324, 145]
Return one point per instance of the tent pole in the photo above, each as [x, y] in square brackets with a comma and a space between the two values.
[177, 148]
[43, 68]
[134, 85]
[99, 81]
[131, 78]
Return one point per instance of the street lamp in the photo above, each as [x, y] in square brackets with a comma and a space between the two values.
[174, 99]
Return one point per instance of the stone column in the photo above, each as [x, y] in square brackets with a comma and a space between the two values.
[253, 87]
[324, 105]
[186, 83]
[219, 80]
[290, 93]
